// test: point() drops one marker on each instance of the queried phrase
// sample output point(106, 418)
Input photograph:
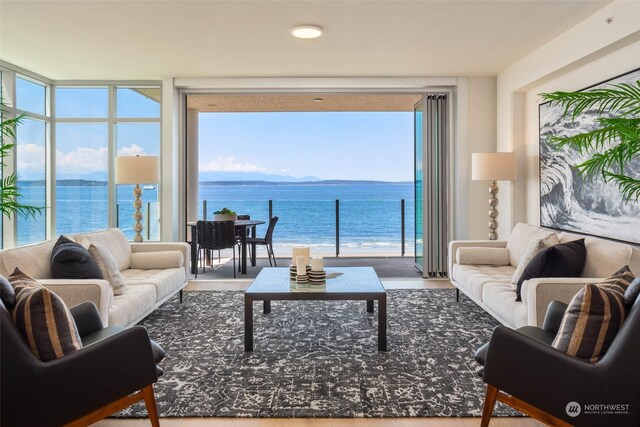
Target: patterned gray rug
point(319, 358)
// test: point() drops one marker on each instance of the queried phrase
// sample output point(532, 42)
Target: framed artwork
point(568, 201)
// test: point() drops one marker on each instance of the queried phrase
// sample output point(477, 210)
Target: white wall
point(171, 192)
point(192, 162)
point(619, 62)
point(481, 128)
point(589, 53)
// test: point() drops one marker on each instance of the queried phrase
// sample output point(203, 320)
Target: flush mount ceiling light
point(306, 31)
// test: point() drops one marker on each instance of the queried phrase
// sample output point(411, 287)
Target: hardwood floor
point(323, 422)
point(242, 284)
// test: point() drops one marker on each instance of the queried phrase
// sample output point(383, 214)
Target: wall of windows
point(31, 147)
point(137, 132)
point(65, 151)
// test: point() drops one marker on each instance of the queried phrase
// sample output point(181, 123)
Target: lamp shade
point(137, 169)
point(493, 166)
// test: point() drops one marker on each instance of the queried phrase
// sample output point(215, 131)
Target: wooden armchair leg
point(489, 403)
point(150, 403)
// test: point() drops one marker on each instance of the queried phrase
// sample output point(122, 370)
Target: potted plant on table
point(225, 214)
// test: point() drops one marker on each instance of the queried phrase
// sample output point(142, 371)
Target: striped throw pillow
point(43, 319)
point(593, 317)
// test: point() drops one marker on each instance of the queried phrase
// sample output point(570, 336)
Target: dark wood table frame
point(242, 225)
point(267, 297)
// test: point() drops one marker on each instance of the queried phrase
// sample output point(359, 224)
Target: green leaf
point(629, 187)
point(621, 99)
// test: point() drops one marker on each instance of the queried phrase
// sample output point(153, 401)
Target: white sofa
point(491, 288)
point(149, 283)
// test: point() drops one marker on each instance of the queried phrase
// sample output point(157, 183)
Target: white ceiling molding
point(303, 84)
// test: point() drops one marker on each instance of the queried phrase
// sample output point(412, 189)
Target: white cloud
point(229, 164)
point(83, 159)
point(31, 157)
point(133, 150)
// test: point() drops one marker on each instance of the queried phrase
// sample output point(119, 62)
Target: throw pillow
point(534, 246)
point(108, 268)
point(482, 256)
point(593, 318)
point(563, 260)
point(70, 260)
point(632, 292)
point(43, 319)
point(7, 293)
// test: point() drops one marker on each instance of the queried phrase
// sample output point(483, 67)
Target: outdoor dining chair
point(216, 235)
point(267, 240)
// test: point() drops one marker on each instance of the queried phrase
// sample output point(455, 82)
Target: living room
point(492, 60)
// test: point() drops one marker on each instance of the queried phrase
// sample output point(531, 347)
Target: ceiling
point(86, 39)
point(303, 102)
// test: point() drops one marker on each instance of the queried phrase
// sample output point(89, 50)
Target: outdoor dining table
point(241, 225)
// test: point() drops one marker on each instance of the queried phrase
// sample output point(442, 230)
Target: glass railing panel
point(367, 227)
point(374, 227)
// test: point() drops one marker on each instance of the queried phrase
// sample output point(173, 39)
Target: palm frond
point(10, 196)
point(8, 127)
point(614, 129)
point(629, 187)
point(615, 158)
point(623, 99)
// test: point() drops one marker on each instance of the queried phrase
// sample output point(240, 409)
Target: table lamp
point(493, 167)
point(137, 170)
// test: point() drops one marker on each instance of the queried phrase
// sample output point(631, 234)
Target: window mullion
point(111, 150)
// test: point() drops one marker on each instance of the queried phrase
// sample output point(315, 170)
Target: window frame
point(9, 73)
point(9, 92)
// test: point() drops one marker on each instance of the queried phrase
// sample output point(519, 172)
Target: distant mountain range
point(92, 183)
point(321, 182)
point(251, 176)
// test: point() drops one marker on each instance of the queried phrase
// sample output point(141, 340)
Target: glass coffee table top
point(275, 280)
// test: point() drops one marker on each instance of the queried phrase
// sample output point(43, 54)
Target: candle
point(301, 265)
point(301, 251)
point(317, 263)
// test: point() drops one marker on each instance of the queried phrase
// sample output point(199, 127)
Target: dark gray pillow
point(70, 260)
point(563, 260)
point(7, 294)
point(632, 292)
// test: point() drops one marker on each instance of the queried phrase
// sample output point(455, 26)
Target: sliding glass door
point(418, 183)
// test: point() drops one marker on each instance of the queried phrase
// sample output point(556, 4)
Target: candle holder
point(317, 277)
point(293, 272)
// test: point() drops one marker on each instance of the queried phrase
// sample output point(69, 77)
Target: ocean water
point(370, 214)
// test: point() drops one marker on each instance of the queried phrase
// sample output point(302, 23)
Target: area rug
point(320, 358)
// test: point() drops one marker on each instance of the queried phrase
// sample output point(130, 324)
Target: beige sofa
point(150, 279)
point(490, 285)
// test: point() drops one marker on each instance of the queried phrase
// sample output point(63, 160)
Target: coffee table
point(351, 283)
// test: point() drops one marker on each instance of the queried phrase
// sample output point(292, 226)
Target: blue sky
point(326, 145)
point(81, 147)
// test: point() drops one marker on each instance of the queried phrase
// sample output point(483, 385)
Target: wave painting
point(570, 202)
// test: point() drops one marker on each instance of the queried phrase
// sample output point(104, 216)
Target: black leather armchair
point(522, 370)
point(116, 368)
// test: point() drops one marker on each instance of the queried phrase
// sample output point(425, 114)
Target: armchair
point(522, 370)
point(115, 368)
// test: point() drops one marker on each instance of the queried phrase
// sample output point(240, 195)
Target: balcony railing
point(343, 227)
